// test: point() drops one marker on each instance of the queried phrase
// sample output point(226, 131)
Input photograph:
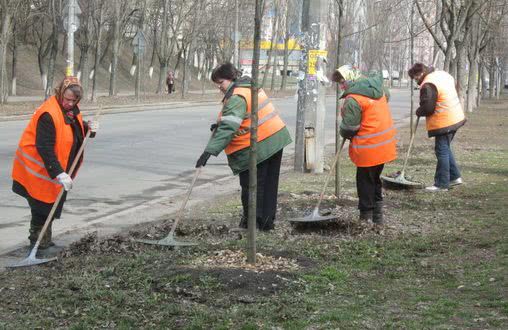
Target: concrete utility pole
point(236, 60)
point(71, 24)
point(310, 135)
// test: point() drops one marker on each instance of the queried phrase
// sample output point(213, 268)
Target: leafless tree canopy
point(464, 37)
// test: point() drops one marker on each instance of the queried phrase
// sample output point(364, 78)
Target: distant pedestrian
point(170, 82)
point(232, 134)
point(47, 148)
point(367, 122)
point(440, 104)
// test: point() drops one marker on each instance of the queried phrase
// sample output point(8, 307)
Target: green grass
point(443, 263)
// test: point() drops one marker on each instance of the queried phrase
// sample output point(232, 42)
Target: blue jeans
point(446, 169)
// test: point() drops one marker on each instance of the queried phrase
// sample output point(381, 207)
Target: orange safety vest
point(269, 121)
point(375, 142)
point(448, 108)
point(28, 168)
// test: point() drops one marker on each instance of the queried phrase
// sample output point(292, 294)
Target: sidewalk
point(40, 97)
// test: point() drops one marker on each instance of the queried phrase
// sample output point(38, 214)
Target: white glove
point(93, 126)
point(65, 180)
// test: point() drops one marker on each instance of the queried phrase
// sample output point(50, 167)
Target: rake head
point(314, 217)
point(31, 260)
point(166, 241)
point(398, 181)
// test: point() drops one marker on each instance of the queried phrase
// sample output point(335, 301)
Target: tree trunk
point(4, 41)
point(51, 63)
point(14, 61)
point(97, 52)
point(485, 84)
point(163, 68)
point(472, 85)
point(498, 82)
point(461, 71)
point(163, 57)
point(270, 52)
point(85, 72)
point(286, 51)
point(116, 48)
point(478, 84)
point(251, 235)
point(274, 70)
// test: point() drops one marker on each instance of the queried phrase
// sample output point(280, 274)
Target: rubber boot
point(365, 215)
point(243, 223)
point(34, 232)
point(377, 215)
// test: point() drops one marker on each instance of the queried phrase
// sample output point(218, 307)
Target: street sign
point(77, 10)
point(74, 26)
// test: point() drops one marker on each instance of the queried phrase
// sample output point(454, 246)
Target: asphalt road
point(137, 157)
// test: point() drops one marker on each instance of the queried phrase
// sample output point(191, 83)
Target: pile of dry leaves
point(238, 259)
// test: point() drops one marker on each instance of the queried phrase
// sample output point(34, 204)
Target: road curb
point(126, 108)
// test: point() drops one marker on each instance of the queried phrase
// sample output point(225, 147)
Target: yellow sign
point(266, 45)
point(312, 59)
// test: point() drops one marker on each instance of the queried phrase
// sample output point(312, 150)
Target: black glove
point(213, 127)
point(419, 113)
point(203, 159)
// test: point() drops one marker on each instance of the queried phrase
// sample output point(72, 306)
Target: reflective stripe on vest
point(269, 121)
point(448, 110)
point(28, 166)
point(375, 142)
point(37, 174)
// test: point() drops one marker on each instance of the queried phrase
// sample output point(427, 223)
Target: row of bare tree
point(178, 32)
point(464, 37)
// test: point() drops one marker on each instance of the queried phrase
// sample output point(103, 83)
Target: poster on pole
point(312, 58)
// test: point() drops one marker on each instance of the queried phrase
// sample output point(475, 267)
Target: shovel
point(32, 260)
point(315, 216)
point(170, 239)
point(399, 181)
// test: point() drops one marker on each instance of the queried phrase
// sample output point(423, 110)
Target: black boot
point(243, 223)
point(365, 215)
point(265, 224)
point(377, 215)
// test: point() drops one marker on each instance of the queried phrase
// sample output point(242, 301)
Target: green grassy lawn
point(440, 262)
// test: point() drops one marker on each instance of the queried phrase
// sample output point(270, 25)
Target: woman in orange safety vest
point(232, 134)
point(46, 150)
point(440, 104)
point(367, 122)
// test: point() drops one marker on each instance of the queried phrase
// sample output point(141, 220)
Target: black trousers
point(268, 186)
point(369, 186)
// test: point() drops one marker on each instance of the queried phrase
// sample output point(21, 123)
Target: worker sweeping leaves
point(440, 104)
point(46, 150)
point(367, 122)
point(232, 135)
